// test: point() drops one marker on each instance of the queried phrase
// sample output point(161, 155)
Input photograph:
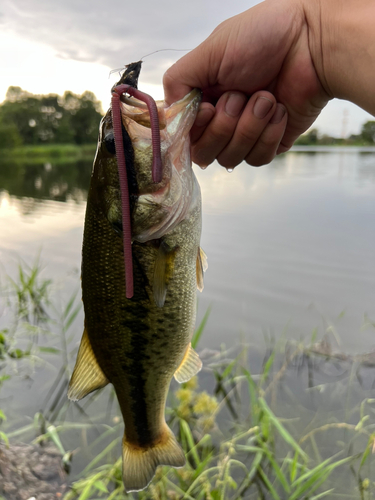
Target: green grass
point(55, 152)
point(253, 457)
point(246, 436)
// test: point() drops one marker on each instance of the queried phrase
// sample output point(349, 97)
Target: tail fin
point(139, 464)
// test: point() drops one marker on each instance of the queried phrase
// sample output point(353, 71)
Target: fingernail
point(279, 114)
point(234, 104)
point(262, 106)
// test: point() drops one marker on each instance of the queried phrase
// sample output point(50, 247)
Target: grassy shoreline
point(40, 152)
point(69, 153)
point(250, 436)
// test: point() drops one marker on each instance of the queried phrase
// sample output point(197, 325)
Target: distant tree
point(85, 111)
point(41, 119)
point(368, 132)
point(327, 140)
point(16, 94)
point(9, 136)
point(309, 139)
point(22, 110)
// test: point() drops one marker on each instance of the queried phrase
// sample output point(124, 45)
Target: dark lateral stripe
point(138, 381)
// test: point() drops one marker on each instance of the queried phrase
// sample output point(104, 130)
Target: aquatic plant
point(247, 453)
point(244, 434)
point(26, 297)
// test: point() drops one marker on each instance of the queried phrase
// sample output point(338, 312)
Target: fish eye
point(109, 141)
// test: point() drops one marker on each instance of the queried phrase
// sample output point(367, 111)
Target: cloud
point(50, 38)
point(117, 32)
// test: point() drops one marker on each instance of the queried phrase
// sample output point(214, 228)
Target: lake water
point(290, 249)
point(290, 246)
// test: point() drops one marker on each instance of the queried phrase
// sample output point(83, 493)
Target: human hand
point(238, 129)
point(266, 47)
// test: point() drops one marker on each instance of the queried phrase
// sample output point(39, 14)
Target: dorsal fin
point(87, 375)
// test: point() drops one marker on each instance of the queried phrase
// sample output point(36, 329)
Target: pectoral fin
point(87, 374)
point(201, 267)
point(190, 366)
point(164, 266)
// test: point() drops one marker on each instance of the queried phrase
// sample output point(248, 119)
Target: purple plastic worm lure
point(157, 169)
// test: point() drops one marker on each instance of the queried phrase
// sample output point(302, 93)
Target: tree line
point(29, 119)
point(365, 138)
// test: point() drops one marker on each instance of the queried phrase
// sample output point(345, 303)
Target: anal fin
point(201, 267)
point(190, 366)
point(87, 375)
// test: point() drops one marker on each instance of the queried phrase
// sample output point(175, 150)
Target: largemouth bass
point(138, 344)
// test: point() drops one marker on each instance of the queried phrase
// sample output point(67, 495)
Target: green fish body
point(138, 344)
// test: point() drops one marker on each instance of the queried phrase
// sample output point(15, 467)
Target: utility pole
point(345, 120)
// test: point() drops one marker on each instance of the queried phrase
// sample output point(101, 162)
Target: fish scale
point(138, 344)
point(118, 331)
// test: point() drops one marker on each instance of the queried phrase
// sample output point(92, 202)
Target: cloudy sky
point(49, 46)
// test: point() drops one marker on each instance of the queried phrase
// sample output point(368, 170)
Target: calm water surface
point(290, 245)
point(290, 248)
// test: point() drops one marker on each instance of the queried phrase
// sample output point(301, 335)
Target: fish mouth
point(137, 110)
point(170, 125)
point(160, 207)
point(175, 122)
point(165, 127)
point(130, 75)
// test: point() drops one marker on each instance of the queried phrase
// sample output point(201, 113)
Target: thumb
point(175, 85)
point(197, 69)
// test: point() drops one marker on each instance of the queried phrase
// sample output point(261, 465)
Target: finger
point(266, 147)
point(193, 70)
point(299, 120)
point(174, 90)
point(205, 114)
point(219, 131)
point(292, 132)
point(282, 148)
point(253, 121)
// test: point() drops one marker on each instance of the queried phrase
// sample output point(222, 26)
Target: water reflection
point(279, 238)
point(224, 193)
point(290, 249)
point(52, 181)
point(292, 234)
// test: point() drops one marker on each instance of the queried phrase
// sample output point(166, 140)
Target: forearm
point(342, 43)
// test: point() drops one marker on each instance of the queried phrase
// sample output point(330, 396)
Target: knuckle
point(259, 160)
point(283, 148)
point(202, 157)
point(228, 161)
point(219, 133)
point(220, 27)
point(266, 94)
point(168, 79)
point(269, 140)
point(246, 136)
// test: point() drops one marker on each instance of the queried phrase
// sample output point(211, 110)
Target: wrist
point(342, 44)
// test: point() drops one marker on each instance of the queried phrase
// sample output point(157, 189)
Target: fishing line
point(114, 71)
point(150, 54)
point(162, 50)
